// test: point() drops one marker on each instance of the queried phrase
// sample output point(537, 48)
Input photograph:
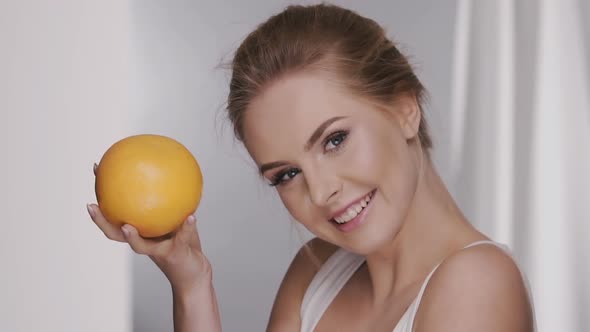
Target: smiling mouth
point(354, 210)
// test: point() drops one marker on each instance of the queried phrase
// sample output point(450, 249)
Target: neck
point(434, 228)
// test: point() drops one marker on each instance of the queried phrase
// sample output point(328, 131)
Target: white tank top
point(334, 274)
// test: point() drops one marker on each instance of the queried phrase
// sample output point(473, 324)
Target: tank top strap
point(326, 284)
point(337, 270)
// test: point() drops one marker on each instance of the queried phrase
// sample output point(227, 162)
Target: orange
point(151, 182)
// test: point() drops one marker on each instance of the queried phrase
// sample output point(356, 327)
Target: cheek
point(400, 189)
point(375, 155)
point(387, 163)
point(295, 205)
point(297, 202)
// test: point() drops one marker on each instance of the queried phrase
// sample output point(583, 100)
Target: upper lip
point(341, 211)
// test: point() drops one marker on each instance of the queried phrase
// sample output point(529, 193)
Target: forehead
point(284, 115)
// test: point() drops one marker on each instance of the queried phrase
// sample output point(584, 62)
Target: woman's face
point(343, 167)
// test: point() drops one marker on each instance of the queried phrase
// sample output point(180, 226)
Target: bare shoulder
point(476, 289)
point(303, 267)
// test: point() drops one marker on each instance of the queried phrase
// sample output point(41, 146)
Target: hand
point(178, 254)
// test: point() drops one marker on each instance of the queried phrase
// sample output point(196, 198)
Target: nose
point(323, 187)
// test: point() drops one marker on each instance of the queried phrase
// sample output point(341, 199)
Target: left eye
point(335, 140)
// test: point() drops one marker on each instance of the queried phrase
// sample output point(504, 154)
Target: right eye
point(283, 177)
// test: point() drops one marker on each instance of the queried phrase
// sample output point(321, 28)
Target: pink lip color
point(341, 211)
point(356, 221)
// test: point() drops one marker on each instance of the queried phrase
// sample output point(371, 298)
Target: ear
point(408, 114)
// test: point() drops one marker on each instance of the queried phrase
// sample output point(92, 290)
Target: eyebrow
point(310, 142)
point(320, 131)
point(272, 165)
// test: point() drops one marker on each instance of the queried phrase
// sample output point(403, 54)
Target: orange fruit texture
point(151, 182)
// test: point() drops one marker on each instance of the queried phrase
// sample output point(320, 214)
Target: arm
point(180, 258)
point(196, 310)
point(477, 289)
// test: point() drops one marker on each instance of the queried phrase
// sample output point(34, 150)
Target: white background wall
point(75, 76)
point(65, 96)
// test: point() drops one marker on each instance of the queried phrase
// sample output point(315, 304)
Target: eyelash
point(341, 134)
point(277, 179)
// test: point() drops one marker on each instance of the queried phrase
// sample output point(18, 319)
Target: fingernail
point(90, 210)
point(125, 230)
point(191, 220)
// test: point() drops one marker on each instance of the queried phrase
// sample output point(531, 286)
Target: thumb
point(188, 233)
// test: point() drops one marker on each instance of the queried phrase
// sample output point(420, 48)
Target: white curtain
point(520, 142)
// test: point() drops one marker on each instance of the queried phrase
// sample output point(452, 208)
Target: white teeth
point(353, 211)
point(347, 217)
point(350, 214)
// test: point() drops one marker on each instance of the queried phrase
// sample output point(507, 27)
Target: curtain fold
point(520, 142)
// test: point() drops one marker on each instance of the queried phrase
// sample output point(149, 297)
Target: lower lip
point(356, 221)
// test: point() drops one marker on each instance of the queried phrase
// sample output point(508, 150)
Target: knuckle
point(108, 235)
point(137, 249)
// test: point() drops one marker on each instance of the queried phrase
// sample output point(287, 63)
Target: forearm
point(196, 311)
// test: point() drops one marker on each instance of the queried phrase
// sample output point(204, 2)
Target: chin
point(371, 241)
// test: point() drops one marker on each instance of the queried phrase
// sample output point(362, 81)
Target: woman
point(331, 113)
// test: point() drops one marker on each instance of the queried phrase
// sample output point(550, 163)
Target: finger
point(139, 244)
point(195, 240)
point(94, 168)
point(186, 230)
point(111, 231)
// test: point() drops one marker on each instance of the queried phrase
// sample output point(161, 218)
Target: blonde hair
point(328, 38)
